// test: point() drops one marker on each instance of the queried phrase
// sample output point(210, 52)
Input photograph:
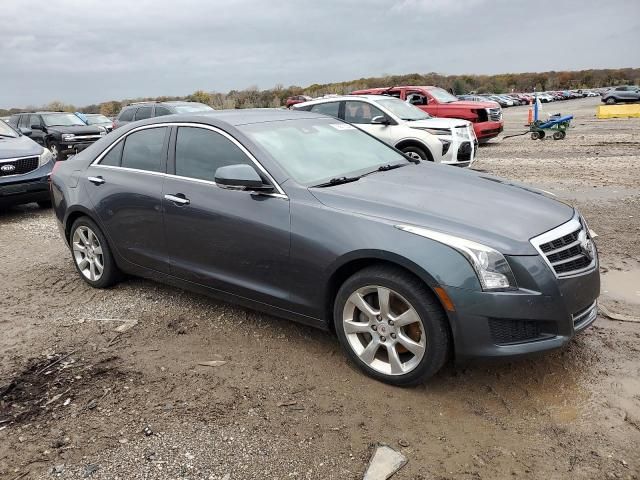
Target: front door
point(362, 113)
point(229, 240)
point(126, 191)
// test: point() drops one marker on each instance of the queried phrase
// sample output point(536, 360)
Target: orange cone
point(530, 115)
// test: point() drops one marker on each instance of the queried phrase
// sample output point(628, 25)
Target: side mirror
point(380, 120)
point(26, 131)
point(240, 177)
point(36, 127)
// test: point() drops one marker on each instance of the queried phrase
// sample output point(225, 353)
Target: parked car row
point(515, 99)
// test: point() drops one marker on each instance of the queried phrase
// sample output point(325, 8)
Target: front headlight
point(435, 131)
point(492, 269)
point(45, 157)
point(67, 136)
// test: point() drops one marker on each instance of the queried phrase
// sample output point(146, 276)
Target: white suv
point(403, 126)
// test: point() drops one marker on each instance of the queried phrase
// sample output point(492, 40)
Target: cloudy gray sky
point(88, 51)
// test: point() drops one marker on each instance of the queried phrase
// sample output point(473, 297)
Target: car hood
point(76, 129)
point(21, 146)
point(438, 123)
point(464, 203)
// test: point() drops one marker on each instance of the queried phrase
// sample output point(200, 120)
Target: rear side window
point(143, 149)
point(126, 115)
point(143, 112)
point(113, 157)
point(200, 152)
point(330, 109)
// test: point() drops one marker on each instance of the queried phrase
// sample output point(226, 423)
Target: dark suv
point(142, 110)
point(61, 132)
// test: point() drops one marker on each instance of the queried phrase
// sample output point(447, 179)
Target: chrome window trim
point(96, 163)
point(565, 229)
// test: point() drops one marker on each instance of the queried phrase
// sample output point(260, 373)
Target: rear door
point(126, 190)
point(229, 240)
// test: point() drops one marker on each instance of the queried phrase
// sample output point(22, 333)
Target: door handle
point(178, 199)
point(96, 180)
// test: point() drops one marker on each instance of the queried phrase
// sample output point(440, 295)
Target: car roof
point(236, 117)
point(340, 98)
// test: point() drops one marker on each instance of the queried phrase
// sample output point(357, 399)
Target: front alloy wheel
point(384, 330)
point(55, 151)
point(391, 325)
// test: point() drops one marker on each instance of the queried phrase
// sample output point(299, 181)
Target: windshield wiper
point(6, 135)
point(337, 181)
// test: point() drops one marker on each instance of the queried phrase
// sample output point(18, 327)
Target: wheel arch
point(72, 215)
point(356, 261)
point(416, 143)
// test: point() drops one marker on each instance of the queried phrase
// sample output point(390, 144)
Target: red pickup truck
point(485, 116)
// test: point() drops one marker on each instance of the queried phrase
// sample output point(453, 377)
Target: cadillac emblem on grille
point(8, 168)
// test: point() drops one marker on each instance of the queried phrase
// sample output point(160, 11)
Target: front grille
point(567, 249)
point(21, 166)
point(464, 152)
point(505, 331)
point(495, 114)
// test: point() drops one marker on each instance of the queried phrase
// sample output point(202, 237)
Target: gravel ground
point(84, 401)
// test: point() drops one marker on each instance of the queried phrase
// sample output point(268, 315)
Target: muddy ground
point(79, 400)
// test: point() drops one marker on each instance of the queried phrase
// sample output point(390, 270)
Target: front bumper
point(543, 314)
point(487, 130)
point(27, 188)
point(74, 147)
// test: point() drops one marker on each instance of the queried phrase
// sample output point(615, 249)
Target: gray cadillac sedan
point(309, 218)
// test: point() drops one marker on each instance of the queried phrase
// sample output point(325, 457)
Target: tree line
point(253, 97)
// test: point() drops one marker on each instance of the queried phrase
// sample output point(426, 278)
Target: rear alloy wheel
point(611, 101)
point(391, 326)
point(416, 153)
point(91, 254)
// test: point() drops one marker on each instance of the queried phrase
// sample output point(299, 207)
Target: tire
point(417, 153)
point(610, 101)
point(93, 237)
point(535, 135)
point(362, 335)
point(558, 136)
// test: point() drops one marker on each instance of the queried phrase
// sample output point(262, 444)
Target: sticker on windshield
point(342, 126)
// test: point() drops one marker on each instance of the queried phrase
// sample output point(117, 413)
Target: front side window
point(313, 151)
point(97, 120)
point(200, 152)
point(330, 109)
point(127, 115)
point(143, 112)
point(161, 111)
point(143, 149)
point(360, 112)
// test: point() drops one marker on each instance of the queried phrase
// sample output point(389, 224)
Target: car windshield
point(442, 95)
point(61, 119)
point(6, 130)
point(314, 151)
point(192, 107)
point(402, 109)
point(96, 119)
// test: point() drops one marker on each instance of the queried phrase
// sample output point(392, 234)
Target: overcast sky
point(88, 51)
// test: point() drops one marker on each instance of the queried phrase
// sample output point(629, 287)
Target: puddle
point(622, 285)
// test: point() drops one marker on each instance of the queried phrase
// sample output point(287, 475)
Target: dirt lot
point(79, 400)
